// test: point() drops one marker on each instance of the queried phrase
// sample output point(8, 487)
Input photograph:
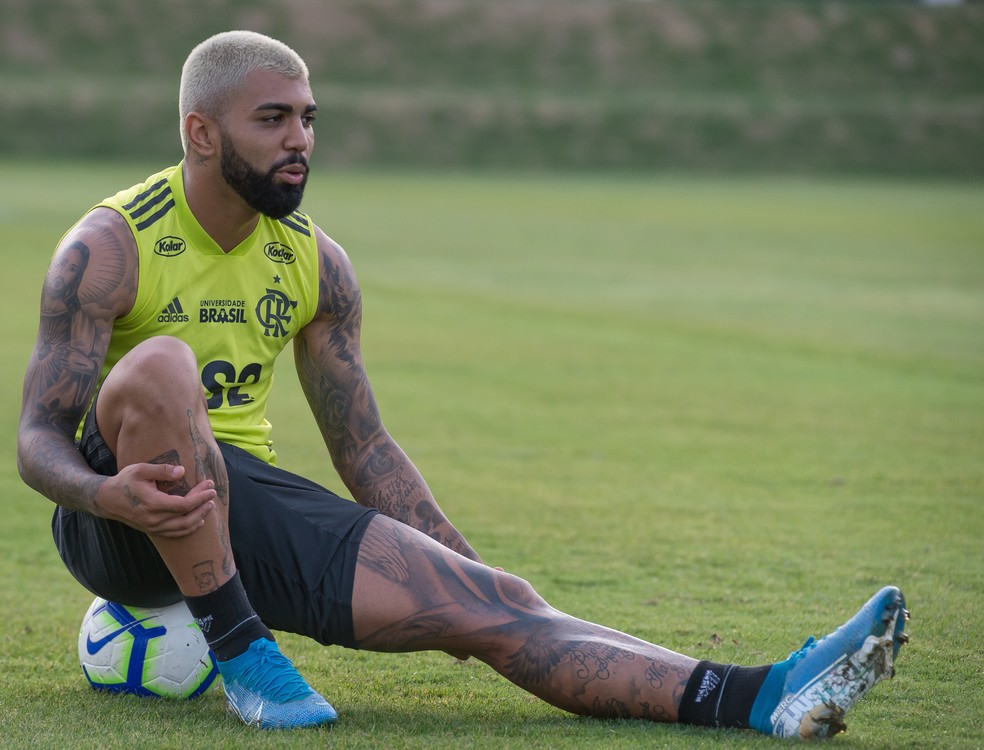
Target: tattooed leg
point(210, 465)
point(151, 409)
point(413, 594)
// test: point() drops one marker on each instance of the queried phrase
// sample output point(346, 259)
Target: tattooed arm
point(91, 281)
point(329, 365)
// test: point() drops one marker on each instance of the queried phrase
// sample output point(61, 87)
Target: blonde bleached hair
point(220, 64)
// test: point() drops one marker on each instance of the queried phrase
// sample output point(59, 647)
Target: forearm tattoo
point(373, 467)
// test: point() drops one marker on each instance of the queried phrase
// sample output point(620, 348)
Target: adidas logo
point(707, 685)
point(173, 313)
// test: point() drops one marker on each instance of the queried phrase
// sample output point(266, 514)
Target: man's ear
point(202, 133)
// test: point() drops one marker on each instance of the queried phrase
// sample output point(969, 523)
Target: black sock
point(721, 695)
point(227, 619)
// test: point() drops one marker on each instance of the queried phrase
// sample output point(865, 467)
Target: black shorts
point(295, 544)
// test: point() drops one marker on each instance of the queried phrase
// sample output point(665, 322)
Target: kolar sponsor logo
point(279, 253)
point(168, 247)
point(222, 311)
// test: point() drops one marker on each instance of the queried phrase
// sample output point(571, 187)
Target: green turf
point(718, 414)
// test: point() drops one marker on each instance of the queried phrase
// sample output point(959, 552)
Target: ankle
point(721, 695)
point(227, 619)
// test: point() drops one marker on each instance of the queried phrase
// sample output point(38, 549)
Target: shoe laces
point(273, 676)
point(811, 643)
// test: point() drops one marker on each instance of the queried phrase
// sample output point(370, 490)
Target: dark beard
point(258, 189)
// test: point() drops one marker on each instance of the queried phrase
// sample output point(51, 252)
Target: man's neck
point(220, 211)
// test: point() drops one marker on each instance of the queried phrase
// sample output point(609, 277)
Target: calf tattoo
point(464, 607)
point(205, 576)
point(209, 465)
point(207, 462)
point(206, 466)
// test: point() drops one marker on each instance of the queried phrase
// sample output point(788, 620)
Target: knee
point(161, 356)
point(519, 592)
point(161, 370)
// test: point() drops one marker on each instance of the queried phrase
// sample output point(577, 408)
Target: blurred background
point(811, 87)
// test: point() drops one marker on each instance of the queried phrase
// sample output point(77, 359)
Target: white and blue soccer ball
point(150, 652)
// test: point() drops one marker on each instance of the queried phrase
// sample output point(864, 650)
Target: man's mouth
point(293, 174)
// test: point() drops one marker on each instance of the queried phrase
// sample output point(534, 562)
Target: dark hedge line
point(811, 86)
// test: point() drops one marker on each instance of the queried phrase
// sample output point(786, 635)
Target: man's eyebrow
point(286, 108)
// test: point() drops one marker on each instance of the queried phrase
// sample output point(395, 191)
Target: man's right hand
point(134, 497)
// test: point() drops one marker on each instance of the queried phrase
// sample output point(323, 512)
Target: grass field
point(718, 414)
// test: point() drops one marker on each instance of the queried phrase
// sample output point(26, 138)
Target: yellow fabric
point(236, 310)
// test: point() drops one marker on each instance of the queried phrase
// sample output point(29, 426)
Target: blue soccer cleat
point(807, 695)
point(264, 689)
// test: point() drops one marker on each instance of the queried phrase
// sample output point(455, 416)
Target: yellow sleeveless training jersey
point(236, 310)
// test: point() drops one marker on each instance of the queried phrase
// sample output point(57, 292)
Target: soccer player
point(143, 420)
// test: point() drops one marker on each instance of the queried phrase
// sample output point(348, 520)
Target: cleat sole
point(822, 721)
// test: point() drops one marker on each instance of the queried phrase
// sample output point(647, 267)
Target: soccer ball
point(151, 652)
